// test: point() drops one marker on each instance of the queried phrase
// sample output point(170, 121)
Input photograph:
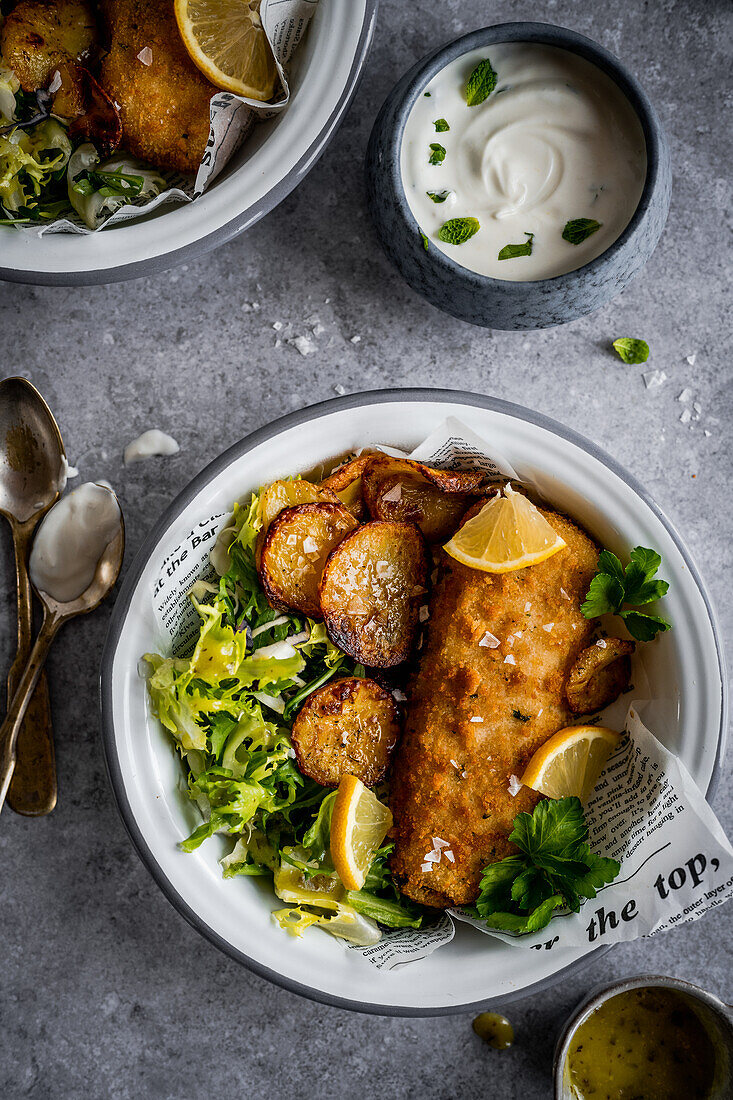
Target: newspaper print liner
point(232, 117)
point(647, 811)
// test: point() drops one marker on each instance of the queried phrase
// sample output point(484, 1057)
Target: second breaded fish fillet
point(489, 690)
point(163, 98)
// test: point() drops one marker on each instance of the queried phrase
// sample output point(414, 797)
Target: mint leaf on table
point(614, 586)
point(441, 126)
point(481, 83)
point(438, 196)
point(554, 869)
point(580, 229)
point(511, 251)
point(437, 155)
point(632, 351)
point(458, 230)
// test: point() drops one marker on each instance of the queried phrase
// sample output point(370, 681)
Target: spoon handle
point(19, 703)
point(33, 788)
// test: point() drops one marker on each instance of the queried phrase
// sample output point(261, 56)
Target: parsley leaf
point(632, 351)
point(555, 868)
point(437, 155)
point(481, 83)
point(438, 196)
point(441, 126)
point(613, 586)
point(424, 240)
point(511, 251)
point(458, 230)
point(580, 229)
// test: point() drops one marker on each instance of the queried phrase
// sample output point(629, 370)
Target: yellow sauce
point(647, 1044)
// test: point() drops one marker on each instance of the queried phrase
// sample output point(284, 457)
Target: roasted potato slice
point(371, 589)
point(295, 549)
point(410, 500)
point(40, 35)
point(287, 494)
point(600, 674)
point(349, 727)
point(345, 481)
point(381, 467)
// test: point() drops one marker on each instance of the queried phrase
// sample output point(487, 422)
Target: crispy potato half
point(600, 674)
point(409, 500)
point(39, 35)
point(371, 589)
point(346, 727)
point(294, 552)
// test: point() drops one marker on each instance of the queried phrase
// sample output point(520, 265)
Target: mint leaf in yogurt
point(580, 229)
point(511, 251)
point(481, 83)
point(458, 230)
point(632, 351)
point(438, 196)
point(441, 126)
point(437, 155)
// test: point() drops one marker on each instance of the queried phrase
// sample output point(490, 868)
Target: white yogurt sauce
point(71, 540)
point(149, 445)
point(555, 141)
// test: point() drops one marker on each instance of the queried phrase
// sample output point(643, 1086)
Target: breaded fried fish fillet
point(164, 104)
point(489, 690)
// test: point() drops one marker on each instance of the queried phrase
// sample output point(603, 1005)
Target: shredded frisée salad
point(229, 707)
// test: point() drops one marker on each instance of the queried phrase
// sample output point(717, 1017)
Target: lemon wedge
point(359, 824)
point(508, 533)
point(227, 42)
point(571, 762)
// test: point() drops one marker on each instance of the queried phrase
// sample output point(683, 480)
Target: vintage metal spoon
point(55, 614)
point(32, 474)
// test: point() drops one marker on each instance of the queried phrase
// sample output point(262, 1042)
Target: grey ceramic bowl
point(495, 303)
point(716, 1017)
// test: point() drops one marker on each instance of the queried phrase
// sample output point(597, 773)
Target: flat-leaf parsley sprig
point(554, 869)
point(613, 586)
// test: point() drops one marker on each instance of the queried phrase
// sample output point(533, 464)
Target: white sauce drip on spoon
point(71, 539)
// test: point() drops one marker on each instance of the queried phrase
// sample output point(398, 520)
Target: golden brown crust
point(294, 552)
point(347, 727)
point(451, 776)
point(601, 673)
point(164, 105)
point(371, 591)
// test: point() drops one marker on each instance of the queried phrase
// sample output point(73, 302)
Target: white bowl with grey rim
point(480, 299)
point(275, 159)
point(685, 669)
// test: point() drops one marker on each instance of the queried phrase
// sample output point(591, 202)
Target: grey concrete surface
point(104, 990)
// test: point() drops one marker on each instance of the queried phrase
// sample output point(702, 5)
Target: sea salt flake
point(548, 627)
point(510, 660)
point(517, 633)
point(277, 325)
point(476, 718)
point(707, 433)
point(432, 857)
point(355, 340)
point(318, 329)
point(423, 613)
point(685, 396)
point(393, 494)
point(339, 389)
point(310, 546)
point(653, 379)
point(527, 607)
point(686, 416)
point(145, 55)
point(691, 358)
point(564, 594)
point(303, 345)
point(510, 640)
point(449, 855)
point(438, 842)
point(55, 83)
point(514, 786)
point(399, 696)
point(489, 641)
point(601, 643)
point(426, 867)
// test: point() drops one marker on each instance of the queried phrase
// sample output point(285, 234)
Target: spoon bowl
point(32, 456)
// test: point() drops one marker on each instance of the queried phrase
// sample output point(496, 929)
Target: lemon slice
point(227, 42)
point(359, 824)
point(571, 761)
point(508, 533)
